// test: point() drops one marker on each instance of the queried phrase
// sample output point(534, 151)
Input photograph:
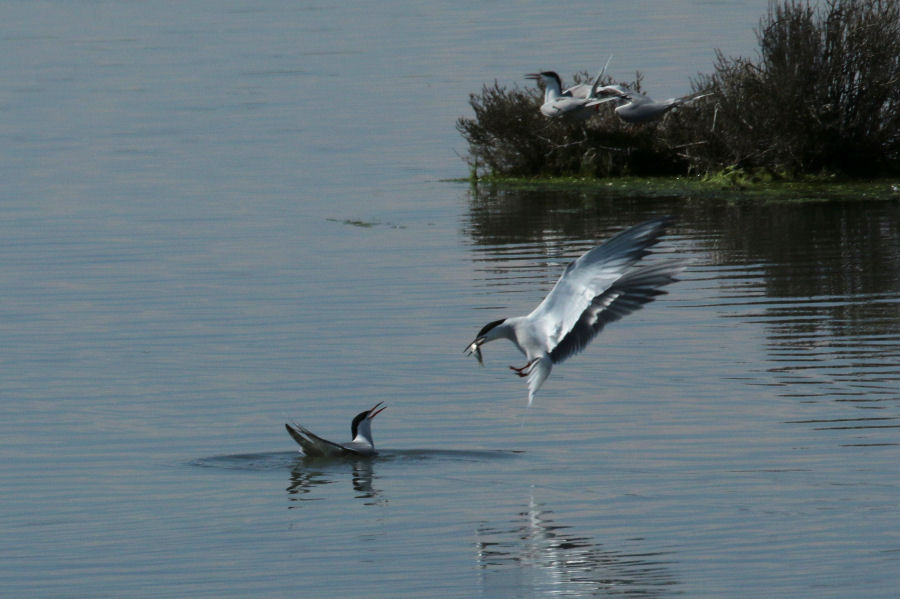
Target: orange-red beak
point(375, 412)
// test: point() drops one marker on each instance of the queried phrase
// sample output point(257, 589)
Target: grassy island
point(819, 106)
point(731, 187)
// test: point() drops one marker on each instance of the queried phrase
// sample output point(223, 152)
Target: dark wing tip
point(295, 434)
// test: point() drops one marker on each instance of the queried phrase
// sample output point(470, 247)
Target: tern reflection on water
point(600, 287)
point(310, 475)
point(306, 477)
point(534, 556)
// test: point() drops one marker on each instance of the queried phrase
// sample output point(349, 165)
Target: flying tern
point(600, 287)
point(360, 430)
point(636, 107)
point(575, 101)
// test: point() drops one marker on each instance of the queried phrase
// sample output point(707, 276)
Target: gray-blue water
point(216, 217)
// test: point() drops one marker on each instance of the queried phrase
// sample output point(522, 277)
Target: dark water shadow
point(261, 462)
point(279, 460)
point(308, 474)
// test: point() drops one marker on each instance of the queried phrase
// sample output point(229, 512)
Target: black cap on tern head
point(548, 74)
point(552, 75)
point(488, 327)
point(354, 426)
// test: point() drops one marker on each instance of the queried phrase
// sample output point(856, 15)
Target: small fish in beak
point(475, 348)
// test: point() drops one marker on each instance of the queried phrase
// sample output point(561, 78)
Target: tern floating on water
point(360, 430)
point(576, 101)
point(636, 107)
point(600, 287)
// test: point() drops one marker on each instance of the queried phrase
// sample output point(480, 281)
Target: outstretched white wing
point(588, 277)
point(627, 294)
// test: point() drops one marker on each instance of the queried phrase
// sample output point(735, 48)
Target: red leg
point(524, 370)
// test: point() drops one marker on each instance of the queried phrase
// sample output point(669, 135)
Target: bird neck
point(504, 330)
point(515, 329)
point(364, 433)
point(552, 90)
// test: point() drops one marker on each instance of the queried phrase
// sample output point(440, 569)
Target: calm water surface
point(219, 217)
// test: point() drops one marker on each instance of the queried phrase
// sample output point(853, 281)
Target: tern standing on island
point(577, 101)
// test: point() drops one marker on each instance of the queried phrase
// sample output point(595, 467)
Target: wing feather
point(592, 274)
point(538, 373)
point(314, 445)
point(629, 293)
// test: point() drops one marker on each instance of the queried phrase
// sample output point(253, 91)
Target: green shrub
point(509, 136)
point(822, 96)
